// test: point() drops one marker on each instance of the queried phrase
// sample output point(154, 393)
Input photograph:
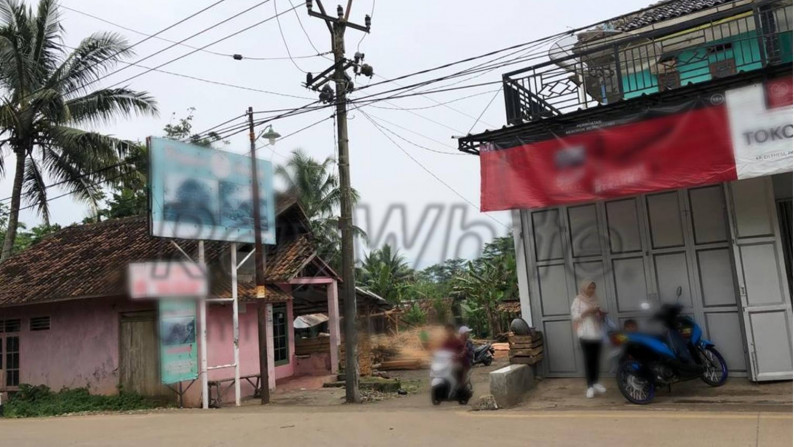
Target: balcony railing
point(617, 66)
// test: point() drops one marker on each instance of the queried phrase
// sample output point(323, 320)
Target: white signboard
point(761, 128)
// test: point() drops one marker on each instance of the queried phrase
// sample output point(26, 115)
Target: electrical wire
point(412, 142)
point(426, 169)
point(211, 81)
point(216, 53)
point(229, 36)
point(284, 39)
point(178, 43)
point(371, 14)
point(487, 106)
point(435, 105)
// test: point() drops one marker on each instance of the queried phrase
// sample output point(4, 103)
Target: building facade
point(652, 154)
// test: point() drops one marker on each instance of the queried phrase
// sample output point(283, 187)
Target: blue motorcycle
point(681, 353)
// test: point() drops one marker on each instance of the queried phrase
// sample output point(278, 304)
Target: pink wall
point(80, 349)
point(82, 346)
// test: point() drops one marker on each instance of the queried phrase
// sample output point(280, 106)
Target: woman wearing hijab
point(587, 317)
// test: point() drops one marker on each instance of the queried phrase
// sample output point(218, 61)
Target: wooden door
point(139, 369)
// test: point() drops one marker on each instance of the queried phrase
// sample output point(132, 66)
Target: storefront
point(687, 187)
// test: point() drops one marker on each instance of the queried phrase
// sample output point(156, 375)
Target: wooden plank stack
point(526, 349)
point(306, 346)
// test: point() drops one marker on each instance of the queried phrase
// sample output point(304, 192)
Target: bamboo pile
point(526, 349)
point(364, 355)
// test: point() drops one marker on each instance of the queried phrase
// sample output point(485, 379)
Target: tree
point(46, 94)
point(24, 238)
point(317, 189)
point(386, 273)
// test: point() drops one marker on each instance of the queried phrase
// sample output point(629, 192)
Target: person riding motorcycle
point(457, 346)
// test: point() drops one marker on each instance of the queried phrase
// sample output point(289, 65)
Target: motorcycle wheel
point(635, 386)
point(716, 372)
point(487, 362)
point(437, 394)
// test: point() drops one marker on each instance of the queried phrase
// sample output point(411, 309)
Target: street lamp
point(270, 134)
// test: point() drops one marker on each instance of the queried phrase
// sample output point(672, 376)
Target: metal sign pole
point(235, 326)
point(205, 388)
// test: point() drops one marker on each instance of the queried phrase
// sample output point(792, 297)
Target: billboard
point(178, 358)
point(198, 192)
point(720, 137)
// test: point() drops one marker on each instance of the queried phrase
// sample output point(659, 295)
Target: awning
point(311, 320)
point(706, 138)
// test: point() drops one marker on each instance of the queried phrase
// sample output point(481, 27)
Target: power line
point(371, 14)
point(284, 39)
point(405, 109)
point(172, 46)
point(487, 106)
point(414, 143)
point(426, 169)
point(216, 53)
point(210, 81)
point(229, 36)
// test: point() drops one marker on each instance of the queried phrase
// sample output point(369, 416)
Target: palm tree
point(386, 273)
point(317, 189)
point(46, 94)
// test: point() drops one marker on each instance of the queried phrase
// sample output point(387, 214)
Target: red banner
point(634, 155)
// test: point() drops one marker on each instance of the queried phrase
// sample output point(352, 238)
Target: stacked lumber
point(526, 349)
point(306, 346)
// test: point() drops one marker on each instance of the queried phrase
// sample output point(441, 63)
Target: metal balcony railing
point(606, 66)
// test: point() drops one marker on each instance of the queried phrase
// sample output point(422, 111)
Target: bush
point(415, 316)
point(39, 400)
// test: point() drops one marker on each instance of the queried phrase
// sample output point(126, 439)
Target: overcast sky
point(407, 35)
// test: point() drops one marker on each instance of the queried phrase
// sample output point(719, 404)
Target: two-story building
point(652, 153)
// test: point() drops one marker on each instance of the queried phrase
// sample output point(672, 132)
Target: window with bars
point(9, 350)
point(280, 335)
point(12, 360)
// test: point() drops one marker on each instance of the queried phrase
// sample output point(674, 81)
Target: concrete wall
point(81, 348)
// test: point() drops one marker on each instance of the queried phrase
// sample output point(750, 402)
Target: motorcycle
point(483, 354)
point(444, 383)
point(649, 361)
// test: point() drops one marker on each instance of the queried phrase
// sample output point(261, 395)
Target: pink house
point(66, 319)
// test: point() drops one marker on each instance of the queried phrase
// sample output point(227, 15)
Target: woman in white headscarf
point(587, 318)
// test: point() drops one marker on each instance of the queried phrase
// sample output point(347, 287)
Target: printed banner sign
point(197, 192)
point(164, 279)
point(743, 133)
point(178, 358)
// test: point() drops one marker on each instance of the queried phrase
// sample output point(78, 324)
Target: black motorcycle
point(483, 354)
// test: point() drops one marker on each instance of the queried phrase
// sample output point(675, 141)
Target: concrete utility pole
point(337, 26)
point(259, 259)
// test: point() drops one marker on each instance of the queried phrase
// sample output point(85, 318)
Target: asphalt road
point(369, 425)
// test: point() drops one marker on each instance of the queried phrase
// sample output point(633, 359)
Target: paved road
point(369, 425)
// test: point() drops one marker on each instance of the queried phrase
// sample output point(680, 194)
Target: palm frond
point(34, 189)
point(95, 56)
point(48, 42)
point(103, 106)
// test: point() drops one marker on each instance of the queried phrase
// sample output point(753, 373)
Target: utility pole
point(343, 82)
point(259, 259)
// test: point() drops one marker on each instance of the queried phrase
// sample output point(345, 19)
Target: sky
point(424, 202)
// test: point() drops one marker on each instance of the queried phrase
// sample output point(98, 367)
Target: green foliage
point(24, 238)
point(317, 188)
point(415, 316)
point(48, 94)
point(183, 130)
point(33, 401)
point(386, 273)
